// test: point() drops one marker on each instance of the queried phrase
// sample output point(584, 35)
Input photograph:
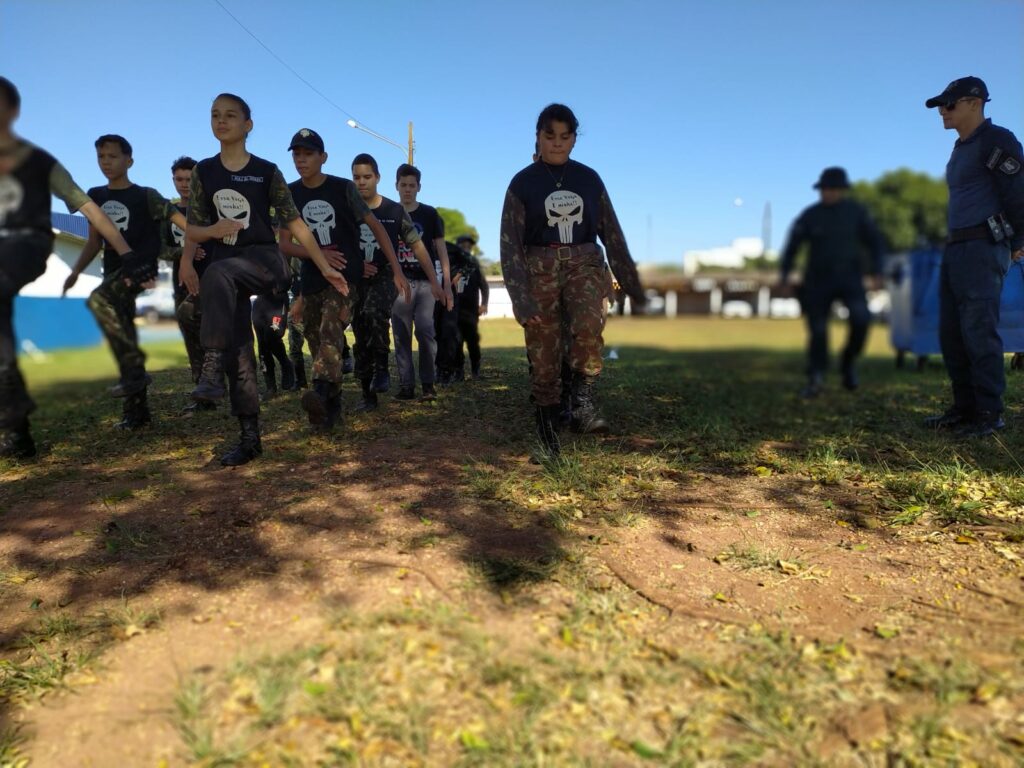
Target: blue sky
point(685, 106)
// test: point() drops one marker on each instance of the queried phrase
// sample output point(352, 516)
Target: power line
point(284, 63)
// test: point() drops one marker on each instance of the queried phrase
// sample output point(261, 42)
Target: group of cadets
point(320, 255)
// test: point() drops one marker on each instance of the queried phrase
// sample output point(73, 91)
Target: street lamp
point(364, 129)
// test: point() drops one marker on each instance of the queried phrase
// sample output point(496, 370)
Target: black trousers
point(224, 292)
point(970, 291)
point(22, 260)
point(816, 298)
point(268, 312)
point(469, 329)
point(449, 340)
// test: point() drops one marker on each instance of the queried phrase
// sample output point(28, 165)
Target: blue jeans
point(418, 311)
point(970, 289)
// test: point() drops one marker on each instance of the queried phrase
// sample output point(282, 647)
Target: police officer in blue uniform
point(837, 231)
point(986, 231)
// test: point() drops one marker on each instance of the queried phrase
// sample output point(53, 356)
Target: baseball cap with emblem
point(833, 178)
point(307, 138)
point(969, 87)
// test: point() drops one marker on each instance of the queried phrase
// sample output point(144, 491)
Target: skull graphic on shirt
point(118, 213)
point(178, 234)
point(320, 217)
point(11, 196)
point(234, 206)
point(564, 210)
point(367, 241)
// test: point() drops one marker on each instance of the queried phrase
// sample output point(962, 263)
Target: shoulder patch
point(994, 158)
point(1010, 166)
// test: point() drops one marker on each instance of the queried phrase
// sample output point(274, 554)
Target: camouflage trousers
point(113, 306)
point(22, 260)
point(325, 316)
point(570, 284)
point(190, 320)
point(371, 323)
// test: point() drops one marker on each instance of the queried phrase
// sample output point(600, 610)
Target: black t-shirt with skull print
point(396, 222)
point(430, 225)
point(139, 213)
point(25, 191)
point(333, 212)
point(562, 203)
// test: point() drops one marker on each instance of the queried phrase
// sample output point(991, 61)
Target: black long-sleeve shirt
point(838, 235)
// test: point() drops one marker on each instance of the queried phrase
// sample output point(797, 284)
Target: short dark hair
point(557, 113)
point(408, 170)
point(183, 163)
point(10, 93)
point(366, 159)
point(113, 138)
point(242, 104)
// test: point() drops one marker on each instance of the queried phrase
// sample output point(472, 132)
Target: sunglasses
point(952, 105)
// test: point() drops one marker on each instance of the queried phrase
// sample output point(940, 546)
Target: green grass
point(588, 668)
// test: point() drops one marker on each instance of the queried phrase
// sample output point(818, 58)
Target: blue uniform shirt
point(984, 177)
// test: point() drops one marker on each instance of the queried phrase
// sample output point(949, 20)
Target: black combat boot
point(586, 419)
point(249, 446)
point(983, 424)
point(131, 383)
point(459, 374)
point(314, 403)
point(270, 380)
point(381, 377)
point(565, 405)
point(814, 386)
point(369, 402)
point(954, 417)
point(299, 365)
point(334, 417)
point(547, 428)
point(210, 388)
point(287, 376)
point(196, 406)
point(17, 443)
point(135, 412)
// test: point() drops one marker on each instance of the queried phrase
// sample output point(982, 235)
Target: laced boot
point(983, 424)
point(586, 420)
point(369, 402)
point(334, 417)
point(249, 446)
point(547, 429)
point(211, 388)
point(314, 403)
point(16, 442)
point(135, 414)
point(953, 417)
point(197, 407)
point(287, 376)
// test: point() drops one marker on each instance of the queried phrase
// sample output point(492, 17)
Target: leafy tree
point(455, 224)
point(909, 207)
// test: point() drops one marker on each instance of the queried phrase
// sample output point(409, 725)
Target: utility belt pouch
point(995, 228)
point(1007, 227)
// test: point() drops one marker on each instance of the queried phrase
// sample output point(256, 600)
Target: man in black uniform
point(986, 231)
point(836, 230)
point(28, 177)
point(140, 213)
point(474, 294)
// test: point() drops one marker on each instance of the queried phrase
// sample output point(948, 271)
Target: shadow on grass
point(108, 516)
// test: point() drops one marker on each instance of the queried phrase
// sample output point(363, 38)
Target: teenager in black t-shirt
point(372, 312)
point(28, 178)
point(554, 211)
point(333, 208)
point(418, 312)
point(140, 213)
point(230, 209)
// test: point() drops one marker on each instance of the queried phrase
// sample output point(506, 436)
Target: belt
point(562, 252)
point(980, 232)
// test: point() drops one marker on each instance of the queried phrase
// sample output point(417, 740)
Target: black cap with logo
point(307, 138)
point(969, 87)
